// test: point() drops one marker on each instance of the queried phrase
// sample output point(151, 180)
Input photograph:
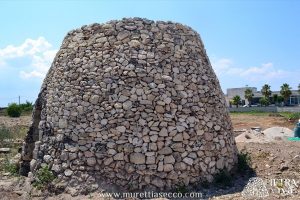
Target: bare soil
point(263, 120)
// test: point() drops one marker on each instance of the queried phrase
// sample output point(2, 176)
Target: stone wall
point(134, 103)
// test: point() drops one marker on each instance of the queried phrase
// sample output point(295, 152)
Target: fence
point(265, 109)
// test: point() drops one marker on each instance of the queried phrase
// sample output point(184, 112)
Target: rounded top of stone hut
point(135, 102)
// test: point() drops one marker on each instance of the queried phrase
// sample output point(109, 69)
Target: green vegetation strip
point(254, 112)
point(15, 110)
point(287, 115)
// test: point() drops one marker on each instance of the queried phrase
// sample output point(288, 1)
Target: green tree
point(286, 92)
point(264, 101)
point(275, 98)
point(26, 106)
point(236, 100)
point(13, 110)
point(299, 88)
point(249, 95)
point(231, 103)
point(280, 99)
point(266, 91)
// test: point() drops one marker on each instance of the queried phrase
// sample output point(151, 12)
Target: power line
point(9, 98)
point(16, 98)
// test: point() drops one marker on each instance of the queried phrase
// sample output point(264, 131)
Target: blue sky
point(248, 42)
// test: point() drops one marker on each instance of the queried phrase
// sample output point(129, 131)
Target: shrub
point(205, 184)
point(223, 178)
point(12, 168)
point(26, 106)
point(244, 160)
point(44, 176)
point(291, 116)
point(14, 110)
point(181, 189)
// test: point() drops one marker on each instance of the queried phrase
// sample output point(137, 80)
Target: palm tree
point(280, 99)
point(249, 95)
point(231, 103)
point(266, 91)
point(286, 92)
point(275, 99)
point(264, 101)
point(236, 100)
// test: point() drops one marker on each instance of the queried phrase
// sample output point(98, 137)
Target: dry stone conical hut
point(132, 102)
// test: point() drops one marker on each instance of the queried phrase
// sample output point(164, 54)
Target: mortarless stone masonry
point(134, 103)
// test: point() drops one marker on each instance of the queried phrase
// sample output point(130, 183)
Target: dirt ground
point(10, 122)
point(264, 120)
point(279, 160)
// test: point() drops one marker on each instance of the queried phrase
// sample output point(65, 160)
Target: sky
point(249, 42)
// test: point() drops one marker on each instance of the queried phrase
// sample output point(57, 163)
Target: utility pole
point(19, 100)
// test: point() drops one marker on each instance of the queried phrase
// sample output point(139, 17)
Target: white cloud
point(39, 51)
point(265, 71)
point(34, 73)
point(224, 66)
point(221, 64)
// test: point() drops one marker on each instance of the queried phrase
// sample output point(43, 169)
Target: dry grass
point(10, 138)
point(259, 119)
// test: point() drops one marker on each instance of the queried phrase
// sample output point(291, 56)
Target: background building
point(231, 92)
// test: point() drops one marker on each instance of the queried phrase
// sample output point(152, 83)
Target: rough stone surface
point(137, 158)
point(134, 102)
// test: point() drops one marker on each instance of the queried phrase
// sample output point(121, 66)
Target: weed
point(26, 107)
point(205, 184)
point(181, 189)
point(290, 116)
point(244, 160)
point(263, 154)
point(5, 135)
point(44, 177)
point(223, 178)
point(9, 167)
point(279, 184)
point(130, 186)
